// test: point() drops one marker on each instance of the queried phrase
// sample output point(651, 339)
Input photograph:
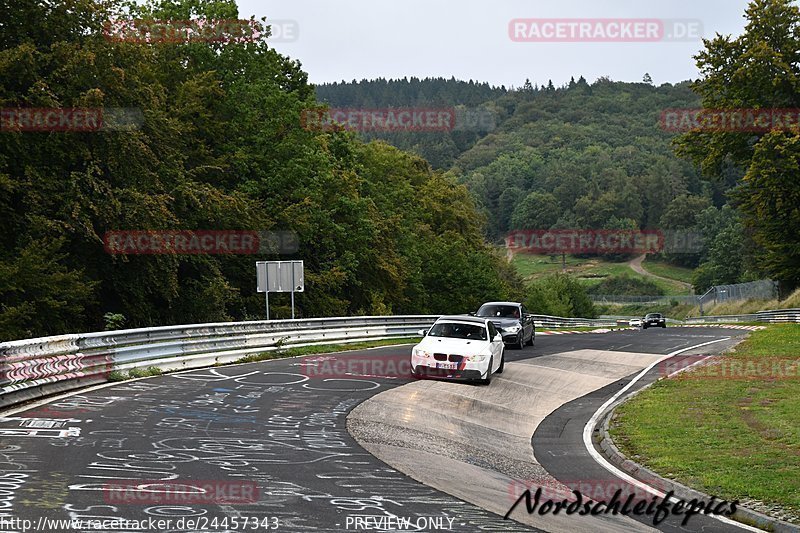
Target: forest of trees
point(594, 155)
point(221, 146)
point(381, 230)
point(580, 156)
point(440, 148)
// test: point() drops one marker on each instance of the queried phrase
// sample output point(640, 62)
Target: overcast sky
point(469, 39)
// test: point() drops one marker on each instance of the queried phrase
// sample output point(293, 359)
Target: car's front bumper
point(512, 338)
point(430, 367)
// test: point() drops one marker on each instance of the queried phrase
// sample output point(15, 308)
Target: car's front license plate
point(446, 366)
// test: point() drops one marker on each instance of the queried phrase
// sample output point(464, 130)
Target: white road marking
point(588, 430)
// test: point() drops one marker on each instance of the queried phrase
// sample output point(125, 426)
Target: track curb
point(610, 451)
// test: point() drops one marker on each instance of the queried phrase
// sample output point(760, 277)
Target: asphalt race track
point(269, 442)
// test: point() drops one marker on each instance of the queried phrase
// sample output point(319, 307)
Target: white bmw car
point(459, 347)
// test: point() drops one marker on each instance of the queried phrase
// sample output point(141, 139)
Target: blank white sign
point(280, 276)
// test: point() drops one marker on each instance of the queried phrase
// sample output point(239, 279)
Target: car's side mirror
point(422, 332)
point(472, 313)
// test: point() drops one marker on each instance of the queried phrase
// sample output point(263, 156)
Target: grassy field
point(665, 270)
point(733, 437)
point(590, 272)
point(533, 266)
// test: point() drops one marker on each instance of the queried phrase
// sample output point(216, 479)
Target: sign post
point(279, 276)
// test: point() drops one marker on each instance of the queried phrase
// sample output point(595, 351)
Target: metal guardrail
point(626, 319)
point(770, 317)
point(545, 321)
point(776, 317)
point(722, 319)
point(33, 368)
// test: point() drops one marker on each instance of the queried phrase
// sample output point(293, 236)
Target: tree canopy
point(758, 70)
point(220, 146)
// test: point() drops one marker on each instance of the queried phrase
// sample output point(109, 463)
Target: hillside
point(584, 155)
point(440, 149)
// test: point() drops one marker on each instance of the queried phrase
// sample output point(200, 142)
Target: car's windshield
point(501, 311)
point(456, 330)
point(653, 315)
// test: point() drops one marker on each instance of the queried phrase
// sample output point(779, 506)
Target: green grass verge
point(733, 438)
point(325, 348)
point(121, 375)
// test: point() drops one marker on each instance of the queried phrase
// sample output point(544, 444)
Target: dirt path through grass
point(636, 266)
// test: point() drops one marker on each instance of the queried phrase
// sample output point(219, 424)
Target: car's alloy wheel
point(521, 343)
point(533, 334)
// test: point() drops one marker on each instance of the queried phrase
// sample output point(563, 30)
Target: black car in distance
point(654, 320)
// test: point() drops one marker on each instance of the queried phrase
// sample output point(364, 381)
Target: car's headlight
point(421, 353)
point(513, 329)
point(477, 358)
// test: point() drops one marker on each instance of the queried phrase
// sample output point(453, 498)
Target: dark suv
point(654, 320)
point(512, 320)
